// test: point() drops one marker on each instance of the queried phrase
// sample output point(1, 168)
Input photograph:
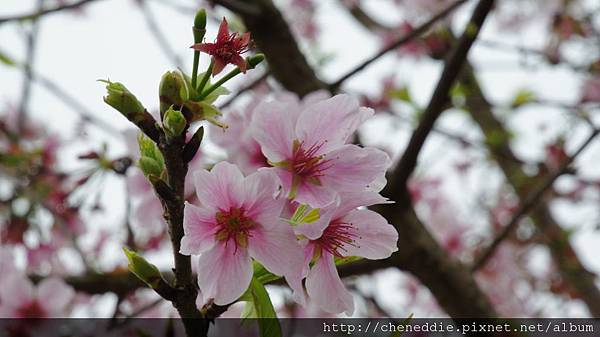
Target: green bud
point(143, 269)
point(173, 90)
point(150, 166)
point(149, 149)
point(255, 60)
point(174, 122)
point(122, 99)
point(200, 19)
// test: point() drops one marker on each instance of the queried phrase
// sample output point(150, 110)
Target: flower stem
point(205, 77)
point(220, 82)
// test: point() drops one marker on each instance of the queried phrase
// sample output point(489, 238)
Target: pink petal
point(221, 188)
point(376, 238)
point(204, 47)
point(16, 290)
point(148, 211)
point(315, 196)
point(137, 184)
point(273, 129)
point(199, 228)
point(259, 198)
point(326, 289)
point(354, 199)
point(54, 295)
point(328, 123)
point(354, 167)
point(224, 272)
point(278, 250)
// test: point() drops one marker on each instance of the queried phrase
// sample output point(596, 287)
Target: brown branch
point(418, 31)
point(528, 204)
point(568, 264)
point(248, 87)
point(158, 35)
point(39, 13)
point(440, 98)
point(274, 38)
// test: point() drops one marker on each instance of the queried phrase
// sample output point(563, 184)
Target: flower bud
point(122, 99)
point(143, 269)
point(200, 19)
point(173, 90)
point(151, 161)
point(174, 122)
point(255, 60)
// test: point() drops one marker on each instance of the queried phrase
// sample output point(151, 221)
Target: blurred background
point(526, 101)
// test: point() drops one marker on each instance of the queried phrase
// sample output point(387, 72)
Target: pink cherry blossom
point(308, 148)
point(343, 231)
point(20, 298)
point(239, 219)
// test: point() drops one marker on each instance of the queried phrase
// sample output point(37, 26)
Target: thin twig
point(158, 35)
point(27, 69)
point(39, 13)
point(420, 30)
point(528, 203)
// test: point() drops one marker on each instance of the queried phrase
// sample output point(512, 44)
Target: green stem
point(205, 77)
point(220, 82)
point(198, 36)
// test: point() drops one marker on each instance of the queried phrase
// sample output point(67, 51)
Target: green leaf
point(263, 310)
point(523, 97)
point(6, 59)
point(215, 94)
point(141, 268)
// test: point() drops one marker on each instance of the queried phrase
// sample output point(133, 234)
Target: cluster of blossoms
point(299, 211)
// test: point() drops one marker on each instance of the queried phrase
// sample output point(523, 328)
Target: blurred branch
point(27, 69)
point(453, 64)
point(39, 13)
point(527, 204)
point(418, 31)
point(248, 87)
point(564, 256)
point(158, 35)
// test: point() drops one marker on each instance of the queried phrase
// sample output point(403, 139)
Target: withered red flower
point(226, 49)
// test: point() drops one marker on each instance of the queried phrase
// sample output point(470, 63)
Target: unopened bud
point(174, 122)
point(144, 270)
point(122, 99)
point(173, 90)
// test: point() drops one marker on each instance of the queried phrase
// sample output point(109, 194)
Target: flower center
point(305, 162)
point(335, 236)
point(31, 310)
point(234, 226)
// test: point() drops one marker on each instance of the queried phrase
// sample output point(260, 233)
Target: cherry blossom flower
point(591, 90)
point(226, 49)
point(20, 298)
point(307, 147)
point(239, 219)
point(343, 231)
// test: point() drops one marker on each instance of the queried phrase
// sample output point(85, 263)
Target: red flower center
point(305, 162)
point(32, 309)
point(335, 236)
point(234, 225)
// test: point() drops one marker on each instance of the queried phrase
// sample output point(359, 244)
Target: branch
point(27, 70)
point(399, 42)
point(248, 87)
point(158, 35)
point(568, 264)
point(438, 101)
point(39, 13)
point(527, 204)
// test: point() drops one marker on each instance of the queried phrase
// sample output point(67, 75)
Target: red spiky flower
point(226, 49)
